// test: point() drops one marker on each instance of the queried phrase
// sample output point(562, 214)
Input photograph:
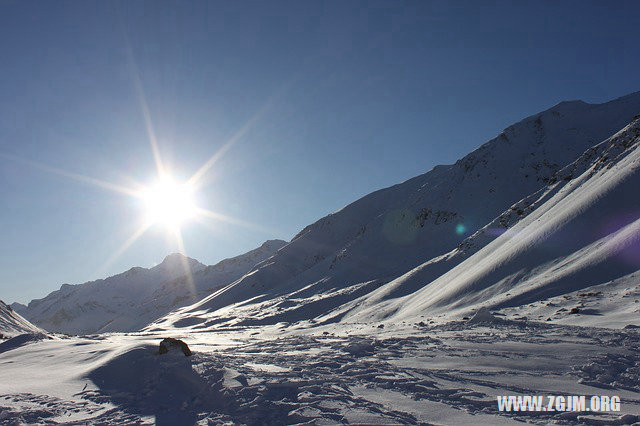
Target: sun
point(168, 203)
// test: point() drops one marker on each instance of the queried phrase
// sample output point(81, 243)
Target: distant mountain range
point(132, 299)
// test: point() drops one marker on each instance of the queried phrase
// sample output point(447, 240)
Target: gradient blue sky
point(337, 99)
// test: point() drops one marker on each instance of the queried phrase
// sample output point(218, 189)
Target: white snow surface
point(404, 374)
point(129, 301)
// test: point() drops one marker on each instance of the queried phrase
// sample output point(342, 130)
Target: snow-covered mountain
point(132, 299)
point(341, 260)
point(12, 323)
point(172, 294)
point(582, 230)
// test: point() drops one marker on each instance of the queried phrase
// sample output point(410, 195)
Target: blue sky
point(334, 99)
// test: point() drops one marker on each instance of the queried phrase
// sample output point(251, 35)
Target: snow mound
point(483, 315)
point(611, 371)
point(361, 348)
point(21, 340)
point(166, 386)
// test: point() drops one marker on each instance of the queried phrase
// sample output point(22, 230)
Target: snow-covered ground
point(409, 373)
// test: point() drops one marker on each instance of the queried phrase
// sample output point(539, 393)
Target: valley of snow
point(515, 271)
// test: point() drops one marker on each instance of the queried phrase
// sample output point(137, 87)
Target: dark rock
point(575, 310)
point(169, 343)
point(630, 326)
point(590, 294)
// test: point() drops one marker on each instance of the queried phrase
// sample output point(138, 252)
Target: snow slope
point(358, 252)
point(583, 230)
point(171, 294)
point(129, 301)
point(12, 323)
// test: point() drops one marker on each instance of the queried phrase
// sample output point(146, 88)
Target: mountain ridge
point(614, 163)
point(124, 302)
point(382, 235)
point(13, 324)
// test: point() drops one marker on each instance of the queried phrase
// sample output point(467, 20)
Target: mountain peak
point(174, 260)
point(276, 244)
point(172, 256)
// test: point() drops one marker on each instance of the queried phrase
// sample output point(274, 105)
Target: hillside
point(581, 231)
point(13, 324)
point(343, 258)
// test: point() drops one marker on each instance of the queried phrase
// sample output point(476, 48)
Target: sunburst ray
point(183, 260)
point(75, 176)
point(124, 247)
point(199, 174)
point(234, 221)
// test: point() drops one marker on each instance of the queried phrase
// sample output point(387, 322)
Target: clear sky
point(324, 102)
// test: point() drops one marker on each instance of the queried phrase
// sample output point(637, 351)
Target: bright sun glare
point(168, 203)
